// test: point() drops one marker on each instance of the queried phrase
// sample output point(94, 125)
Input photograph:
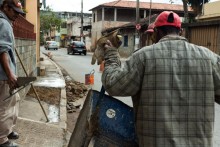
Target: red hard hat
point(168, 18)
point(150, 28)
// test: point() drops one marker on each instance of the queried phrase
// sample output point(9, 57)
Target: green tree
point(49, 21)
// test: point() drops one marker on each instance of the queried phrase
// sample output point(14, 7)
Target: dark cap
point(16, 5)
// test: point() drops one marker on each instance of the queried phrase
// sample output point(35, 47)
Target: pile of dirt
point(74, 91)
point(49, 95)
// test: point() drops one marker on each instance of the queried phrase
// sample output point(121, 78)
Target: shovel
point(22, 82)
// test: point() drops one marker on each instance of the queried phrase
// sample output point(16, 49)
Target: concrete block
point(41, 59)
point(42, 71)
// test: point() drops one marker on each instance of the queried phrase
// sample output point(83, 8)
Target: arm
point(124, 81)
point(4, 60)
point(216, 76)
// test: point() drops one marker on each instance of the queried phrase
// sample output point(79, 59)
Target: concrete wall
point(211, 11)
point(126, 51)
point(99, 26)
point(27, 53)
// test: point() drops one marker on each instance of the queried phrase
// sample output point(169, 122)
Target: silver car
point(51, 45)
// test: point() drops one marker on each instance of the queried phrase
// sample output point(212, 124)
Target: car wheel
point(85, 53)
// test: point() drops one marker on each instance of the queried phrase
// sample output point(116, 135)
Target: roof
point(142, 5)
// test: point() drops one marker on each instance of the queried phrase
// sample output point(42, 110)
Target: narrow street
point(79, 65)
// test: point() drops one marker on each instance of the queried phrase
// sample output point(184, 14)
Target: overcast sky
point(75, 5)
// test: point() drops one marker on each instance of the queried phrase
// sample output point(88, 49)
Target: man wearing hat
point(150, 33)
point(174, 86)
point(9, 11)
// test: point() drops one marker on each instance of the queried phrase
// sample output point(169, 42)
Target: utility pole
point(149, 21)
point(137, 39)
point(81, 30)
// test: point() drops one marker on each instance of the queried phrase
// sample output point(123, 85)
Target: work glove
point(112, 39)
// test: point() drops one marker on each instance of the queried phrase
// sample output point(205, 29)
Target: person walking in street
point(9, 11)
point(150, 33)
point(174, 85)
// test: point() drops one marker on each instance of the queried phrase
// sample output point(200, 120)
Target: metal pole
point(203, 7)
point(31, 85)
point(137, 39)
point(81, 30)
point(150, 12)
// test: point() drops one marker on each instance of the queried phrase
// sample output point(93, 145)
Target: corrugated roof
point(142, 5)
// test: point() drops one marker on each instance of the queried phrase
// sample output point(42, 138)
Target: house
point(206, 31)
point(210, 11)
point(73, 24)
point(119, 14)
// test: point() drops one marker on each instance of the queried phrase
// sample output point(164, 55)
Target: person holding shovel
point(9, 11)
point(174, 85)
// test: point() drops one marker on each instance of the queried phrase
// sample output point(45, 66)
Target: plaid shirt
point(173, 85)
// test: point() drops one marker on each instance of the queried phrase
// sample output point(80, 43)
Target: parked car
point(76, 47)
point(51, 45)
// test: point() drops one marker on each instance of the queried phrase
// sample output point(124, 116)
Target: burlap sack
point(113, 37)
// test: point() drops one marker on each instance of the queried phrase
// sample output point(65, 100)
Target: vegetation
point(49, 21)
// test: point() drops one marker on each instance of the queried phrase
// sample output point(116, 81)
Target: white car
point(51, 45)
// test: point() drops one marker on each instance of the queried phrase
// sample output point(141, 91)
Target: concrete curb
point(63, 101)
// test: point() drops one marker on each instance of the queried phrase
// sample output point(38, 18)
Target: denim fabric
point(7, 44)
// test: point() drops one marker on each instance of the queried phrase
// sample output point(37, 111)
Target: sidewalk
point(32, 125)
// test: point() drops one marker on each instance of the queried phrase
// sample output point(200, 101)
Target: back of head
point(167, 23)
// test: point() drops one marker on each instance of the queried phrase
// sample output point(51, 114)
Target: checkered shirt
point(173, 85)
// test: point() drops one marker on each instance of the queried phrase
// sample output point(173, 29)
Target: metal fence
point(23, 29)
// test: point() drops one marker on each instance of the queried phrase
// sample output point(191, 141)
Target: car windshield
point(78, 43)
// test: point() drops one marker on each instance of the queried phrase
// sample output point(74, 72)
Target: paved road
point(79, 65)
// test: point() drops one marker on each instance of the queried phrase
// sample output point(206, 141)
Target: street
point(79, 65)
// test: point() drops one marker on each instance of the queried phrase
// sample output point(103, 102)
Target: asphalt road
point(79, 65)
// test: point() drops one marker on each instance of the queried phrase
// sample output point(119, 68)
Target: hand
point(98, 56)
point(12, 81)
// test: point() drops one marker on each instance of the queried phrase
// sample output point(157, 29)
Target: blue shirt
point(7, 44)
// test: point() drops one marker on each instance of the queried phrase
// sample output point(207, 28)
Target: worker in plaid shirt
point(174, 85)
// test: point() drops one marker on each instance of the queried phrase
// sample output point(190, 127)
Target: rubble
point(74, 91)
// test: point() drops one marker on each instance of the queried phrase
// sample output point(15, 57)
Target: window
point(126, 41)
point(93, 17)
